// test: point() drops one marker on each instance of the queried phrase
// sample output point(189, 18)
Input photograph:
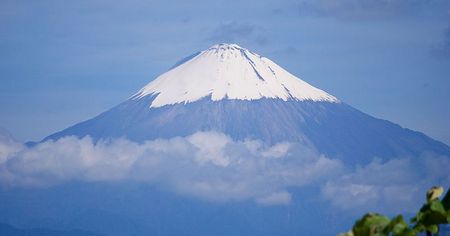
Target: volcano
point(229, 89)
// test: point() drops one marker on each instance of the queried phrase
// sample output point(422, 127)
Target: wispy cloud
point(8, 145)
point(277, 198)
point(442, 49)
point(232, 32)
point(360, 9)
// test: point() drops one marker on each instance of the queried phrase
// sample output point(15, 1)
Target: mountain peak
point(226, 46)
point(228, 71)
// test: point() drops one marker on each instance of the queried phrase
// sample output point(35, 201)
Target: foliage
point(432, 214)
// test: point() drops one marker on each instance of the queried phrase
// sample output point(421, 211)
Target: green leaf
point(446, 200)
point(371, 224)
point(433, 218)
point(399, 227)
point(431, 213)
point(433, 229)
point(437, 206)
point(419, 228)
point(418, 217)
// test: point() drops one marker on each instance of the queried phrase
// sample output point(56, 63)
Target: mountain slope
point(229, 89)
point(336, 130)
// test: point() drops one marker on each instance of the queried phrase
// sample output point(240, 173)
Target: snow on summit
point(228, 71)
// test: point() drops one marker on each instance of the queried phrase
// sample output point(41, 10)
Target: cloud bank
point(393, 185)
point(213, 167)
point(207, 165)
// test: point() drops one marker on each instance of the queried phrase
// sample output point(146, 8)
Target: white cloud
point(396, 185)
point(207, 165)
point(276, 151)
point(211, 166)
point(210, 148)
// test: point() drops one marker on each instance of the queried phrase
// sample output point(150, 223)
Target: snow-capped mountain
point(229, 89)
point(227, 71)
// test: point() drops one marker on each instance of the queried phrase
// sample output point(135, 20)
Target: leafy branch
point(432, 214)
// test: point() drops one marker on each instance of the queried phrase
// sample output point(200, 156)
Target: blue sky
point(67, 61)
